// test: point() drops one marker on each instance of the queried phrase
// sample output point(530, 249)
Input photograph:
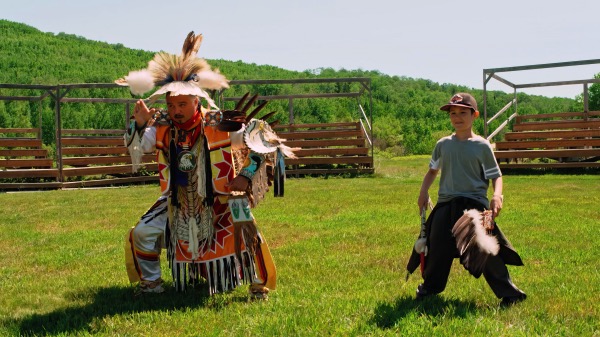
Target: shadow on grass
point(387, 315)
point(551, 171)
point(113, 301)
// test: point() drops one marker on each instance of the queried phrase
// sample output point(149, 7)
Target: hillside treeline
point(406, 116)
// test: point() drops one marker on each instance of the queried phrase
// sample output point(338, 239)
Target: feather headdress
point(474, 241)
point(185, 74)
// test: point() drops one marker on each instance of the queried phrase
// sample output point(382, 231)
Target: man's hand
point(142, 114)
point(496, 205)
point(238, 184)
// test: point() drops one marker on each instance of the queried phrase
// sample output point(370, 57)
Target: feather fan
point(475, 245)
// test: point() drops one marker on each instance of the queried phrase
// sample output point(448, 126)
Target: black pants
point(442, 251)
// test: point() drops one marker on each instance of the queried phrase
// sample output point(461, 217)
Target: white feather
point(140, 82)
point(487, 243)
point(211, 80)
point(421, 246)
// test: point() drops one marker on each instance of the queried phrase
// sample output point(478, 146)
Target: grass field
point(340, 245)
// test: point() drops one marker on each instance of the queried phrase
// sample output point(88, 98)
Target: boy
point(467, 163)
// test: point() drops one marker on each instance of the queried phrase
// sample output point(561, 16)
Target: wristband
point(247, 174)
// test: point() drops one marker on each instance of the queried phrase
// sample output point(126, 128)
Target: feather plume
point(257, 110)
point(269, 115)
point(140, 82)
point(240, 103)
point(249, 104)
point(210, 79)
point(421, 246)
point(185, 74)
point(474, 243)
point(191, 45)
point(288, 151)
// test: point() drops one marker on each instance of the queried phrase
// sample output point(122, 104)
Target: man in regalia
point(214, 166)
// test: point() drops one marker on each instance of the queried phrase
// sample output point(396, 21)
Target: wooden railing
point(99, 158)
point(331, 148)
point(24, 161)
point(560, 140)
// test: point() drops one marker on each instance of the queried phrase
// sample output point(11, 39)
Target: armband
point(253, 163)
point(247, 174)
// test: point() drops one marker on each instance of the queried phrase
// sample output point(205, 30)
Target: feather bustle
point(473, 242)
point(256, 110)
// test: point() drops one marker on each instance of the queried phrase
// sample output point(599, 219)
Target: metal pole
point(516, 101)
point(485, 128)
point(291, 110)
point(58, 135)
point(586, 102)
point(371, 121)
point(127, 115)
point(40, 120)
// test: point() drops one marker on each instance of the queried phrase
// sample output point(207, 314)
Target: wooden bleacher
point(24, 163)
point(558, 140)
point(99, 158)
point(332, 148)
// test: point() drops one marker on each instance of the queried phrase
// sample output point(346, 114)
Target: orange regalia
point(208, 230)
point(211, 253)
point(214, 254)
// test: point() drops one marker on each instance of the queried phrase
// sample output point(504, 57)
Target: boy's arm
point(497, 198)
point(427, 182)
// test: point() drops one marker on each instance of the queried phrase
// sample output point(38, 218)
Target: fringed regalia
point(208, 230)
point(212, 252)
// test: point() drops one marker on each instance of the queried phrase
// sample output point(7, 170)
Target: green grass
point(340, 245)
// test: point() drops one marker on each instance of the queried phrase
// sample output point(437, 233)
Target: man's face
point(181, 107)
point(461, 118)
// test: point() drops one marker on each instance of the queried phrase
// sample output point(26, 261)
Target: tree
point(594, 95)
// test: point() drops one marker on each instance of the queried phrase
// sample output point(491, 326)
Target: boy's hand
point(496, 205)
point(423, 201)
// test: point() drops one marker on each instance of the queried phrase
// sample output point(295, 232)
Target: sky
point(439, 40)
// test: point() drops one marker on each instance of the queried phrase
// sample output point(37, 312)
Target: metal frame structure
point(59, 94)
point(488, 74)
point(366, 118)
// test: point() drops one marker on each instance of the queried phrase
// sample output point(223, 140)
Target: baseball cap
point(461, 99)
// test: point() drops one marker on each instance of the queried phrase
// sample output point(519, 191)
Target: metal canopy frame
point(488, 74)
point(365, 113)
point(60, 95)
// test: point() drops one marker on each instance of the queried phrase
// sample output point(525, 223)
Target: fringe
point(134, 146)
point(223, 274)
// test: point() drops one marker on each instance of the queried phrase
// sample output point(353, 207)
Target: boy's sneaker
point(508, 301)
point(422, 292)
point(150, 286)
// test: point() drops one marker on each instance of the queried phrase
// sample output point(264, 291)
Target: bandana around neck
point(190, 123)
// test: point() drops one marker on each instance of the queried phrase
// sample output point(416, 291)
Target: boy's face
point(181, 107)
point(461, 118)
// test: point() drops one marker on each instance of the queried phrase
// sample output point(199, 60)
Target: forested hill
point(406, 112)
